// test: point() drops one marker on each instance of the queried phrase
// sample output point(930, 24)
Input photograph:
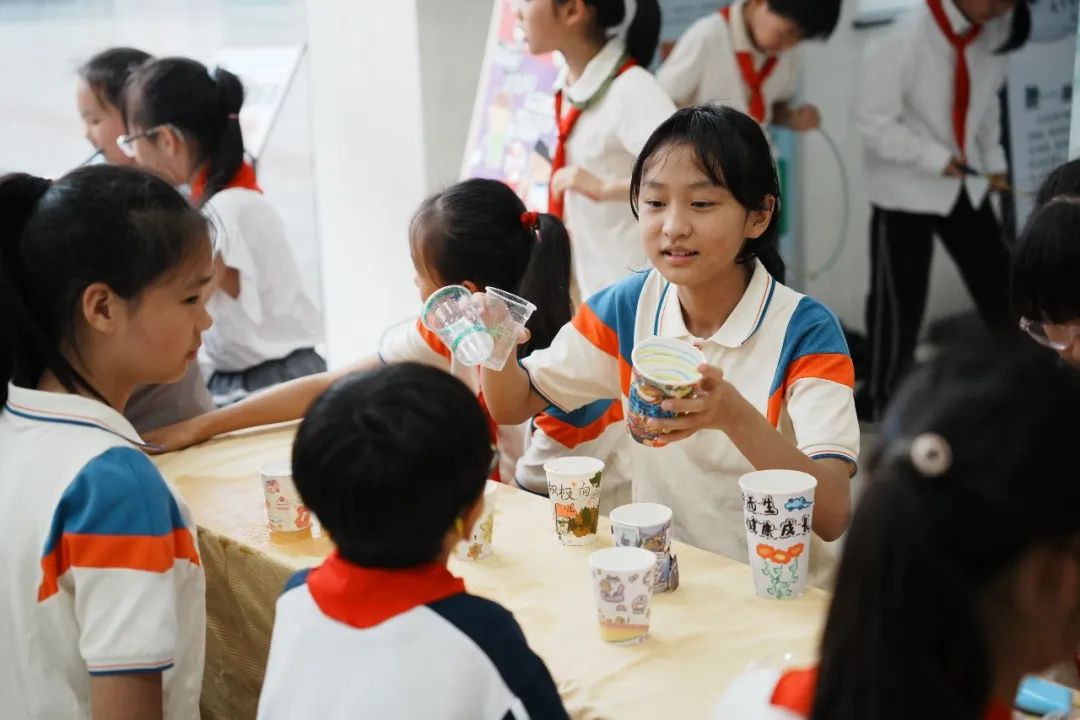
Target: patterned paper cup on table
point(450, 314)
point(648, 526)
point(663, 369)
point(778, 506)
point(574, 491)
point(285, 511)
point(623, 586)
point(509, 313)
point(478, 545)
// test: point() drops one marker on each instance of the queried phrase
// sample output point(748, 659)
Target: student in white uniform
point(930, 119)
point(476, 233)
point(99, 98)
point(103, 276)
point(745, 56)
point(184, 125)
point(961, 568)
point(606, 105)
point(778, 384)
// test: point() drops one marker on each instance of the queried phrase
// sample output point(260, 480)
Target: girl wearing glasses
point(183, 124)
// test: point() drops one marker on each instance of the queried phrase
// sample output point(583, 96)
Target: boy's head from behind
point(779, 25)
point(390, 459)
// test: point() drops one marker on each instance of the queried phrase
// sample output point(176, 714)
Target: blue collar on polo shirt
point(70, 409)
point(740, 326)
point(365, 597)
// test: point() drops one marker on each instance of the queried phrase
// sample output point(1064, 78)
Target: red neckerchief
point(753, 79)
point(244, 178)
point(566, 126)
point(961, 78)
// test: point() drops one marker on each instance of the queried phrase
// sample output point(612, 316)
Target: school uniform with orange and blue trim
point(783, 351)
point(99, 566)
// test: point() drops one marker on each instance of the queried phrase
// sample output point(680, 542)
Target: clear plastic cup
point(450, 314)
point(507, 315)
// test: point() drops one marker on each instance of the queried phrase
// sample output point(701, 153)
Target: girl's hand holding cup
point(716, 405)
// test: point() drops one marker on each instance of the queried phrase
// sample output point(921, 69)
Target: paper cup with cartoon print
point(574, 491)
point(648, 526)
point(778, 506)
point(479, 543)
point(285, 511)
point(451, 314)
point(663, 369)
point(623, 586)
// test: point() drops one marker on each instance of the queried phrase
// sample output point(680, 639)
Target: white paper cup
point(778, 506)
point(506, 324)
point(285, 511)
point(647, 526)
point(479, 543)
point(574, 491)
point(663, 369)
point(622, 580)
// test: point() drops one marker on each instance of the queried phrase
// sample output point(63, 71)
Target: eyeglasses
point(1051, 335)
point(126, 143)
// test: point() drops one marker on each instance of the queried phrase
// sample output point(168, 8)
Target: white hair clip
point(629, 13)
point(931, 455)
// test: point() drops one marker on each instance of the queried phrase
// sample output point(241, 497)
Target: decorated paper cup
point(509, 313)
point(450, 314)
point(574, 491)
point(778, 506)
point(663, 369)
point(623, 586)
point(285, 511)
point(478, 545)
point(648, 526)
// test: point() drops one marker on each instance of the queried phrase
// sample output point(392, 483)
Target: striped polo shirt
point(354, 642)
point(783, 351)
point(99, 565)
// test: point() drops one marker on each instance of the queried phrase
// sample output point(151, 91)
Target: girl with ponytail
point(606, 105)
point(183, 124)
point(961, 571)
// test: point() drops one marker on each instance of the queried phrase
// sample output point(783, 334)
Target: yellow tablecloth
point(702, 635)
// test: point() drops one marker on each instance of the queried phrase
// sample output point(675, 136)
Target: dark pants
point(230, 387)
point(901, 246)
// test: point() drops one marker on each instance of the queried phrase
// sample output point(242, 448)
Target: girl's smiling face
point(692, 228)
point(102, 122)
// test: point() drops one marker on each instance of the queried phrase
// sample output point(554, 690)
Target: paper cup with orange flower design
point(778, 506)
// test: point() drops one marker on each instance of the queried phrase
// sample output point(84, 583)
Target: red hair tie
point(530, 220)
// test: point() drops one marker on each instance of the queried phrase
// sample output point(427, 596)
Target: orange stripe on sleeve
point(570, 436)
point(827, 366)
point(604, 337)
point(795, 691)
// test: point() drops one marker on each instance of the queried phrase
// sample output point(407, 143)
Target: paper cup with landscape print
point(778, 506)
point(663, 369)
point(479, 543)
point(450, 314)
point(648, 526)
point(623, 585)
point(574, 491)
point(285, 510)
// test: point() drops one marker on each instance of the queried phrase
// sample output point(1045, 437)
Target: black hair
point(925, 550)
point(389, 459)
point(1062, 180)
point(1046, 263)
point(474, 231)
point(731, 149)
point(643, 35)
point(1019, 28)
point(203, 104)
point(107, 72)
point(814, 18)
point(100, 224)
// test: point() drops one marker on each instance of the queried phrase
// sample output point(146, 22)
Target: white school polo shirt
point(99, 572)
point(783, 351)
point(273, 315)
point(352, 642)
point(702, 67)
point(903, 111)
point(605, 141)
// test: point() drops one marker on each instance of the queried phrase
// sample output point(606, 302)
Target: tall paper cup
point(285, 511)
point(648, 526)
point(574, 491)
point(623, 585)
point(479, 543)
point(778, 506)
point(663, 369)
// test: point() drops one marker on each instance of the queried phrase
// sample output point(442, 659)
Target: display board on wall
point(1040, 91)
